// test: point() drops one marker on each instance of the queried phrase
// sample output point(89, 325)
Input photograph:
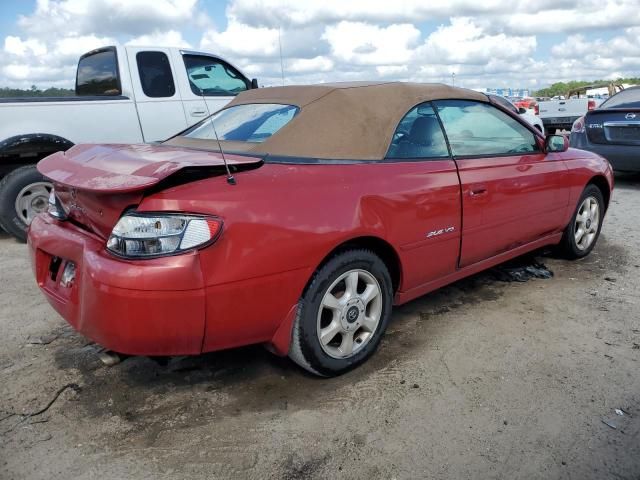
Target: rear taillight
point(578, 126)
point(591, 105)
point(536, 109)
point(144, 235)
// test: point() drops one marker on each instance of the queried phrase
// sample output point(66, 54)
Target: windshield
point(629, 98)
point(254, 122)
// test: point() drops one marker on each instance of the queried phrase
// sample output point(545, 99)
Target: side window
point(155, 74)
point(418, 135)
point(210, 77)
point(480, 129)
point(98, 74)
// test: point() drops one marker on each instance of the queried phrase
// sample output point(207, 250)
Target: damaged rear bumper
point(144, 307)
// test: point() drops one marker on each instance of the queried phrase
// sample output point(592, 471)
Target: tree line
point(561, 88)
point(36, 92)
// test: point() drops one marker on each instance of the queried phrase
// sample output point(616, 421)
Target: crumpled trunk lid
point(95, 184)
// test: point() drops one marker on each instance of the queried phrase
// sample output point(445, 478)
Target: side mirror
point(254, 83)
point(522, 110)
point(556, 143)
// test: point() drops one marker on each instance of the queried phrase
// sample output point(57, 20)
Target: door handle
point(478, 190)
point(197, 112)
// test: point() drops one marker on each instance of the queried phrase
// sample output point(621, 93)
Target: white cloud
point(242, 40)
point(462, 41)
point(519, 16)
point(72, 47)
point(275, 13)
point(16, 46)
point(579, 16)
point(59, 31)
point(172, 38)
point(107, 17)
point(365, 44)
point(310, 65)
point(488, 43)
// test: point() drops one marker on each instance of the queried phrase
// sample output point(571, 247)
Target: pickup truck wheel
point(582, 233)
point(342, 314)
point(24, 193)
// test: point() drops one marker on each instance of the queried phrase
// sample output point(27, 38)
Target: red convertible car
point(298, 216)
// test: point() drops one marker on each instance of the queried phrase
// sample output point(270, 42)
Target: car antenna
point(230, 178)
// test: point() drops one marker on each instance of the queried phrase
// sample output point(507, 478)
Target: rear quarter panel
point(282, 220)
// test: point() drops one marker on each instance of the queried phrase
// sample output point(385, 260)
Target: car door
point(512, 192)
point(158, 101)
point(207, 79)
point(427, 223)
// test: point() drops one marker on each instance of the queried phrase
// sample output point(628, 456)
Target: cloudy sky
point(486, 43)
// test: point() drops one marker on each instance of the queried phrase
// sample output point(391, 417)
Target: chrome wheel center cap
point(351, 316)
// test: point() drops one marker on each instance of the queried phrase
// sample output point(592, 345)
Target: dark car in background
point(612, 130)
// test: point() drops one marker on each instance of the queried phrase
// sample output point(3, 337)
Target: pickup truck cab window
point(98, 73)
point(209, 76)
point(245, 123)
point(155, 74)
point(419, 135)
point(480, 130)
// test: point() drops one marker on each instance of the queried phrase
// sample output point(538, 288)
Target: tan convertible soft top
point(353, 120)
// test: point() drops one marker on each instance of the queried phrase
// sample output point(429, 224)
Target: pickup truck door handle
point(198, 112)
point(477, 190)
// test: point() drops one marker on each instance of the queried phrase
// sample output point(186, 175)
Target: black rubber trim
point(76, 98)
point(282, 159)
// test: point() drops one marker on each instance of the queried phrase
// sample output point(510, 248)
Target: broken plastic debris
point(609, 424)
point(43, 340)
point(521, 270)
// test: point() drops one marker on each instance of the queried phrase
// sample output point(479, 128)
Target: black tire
point(10, 187)
point(306, 349)
point(568, 246)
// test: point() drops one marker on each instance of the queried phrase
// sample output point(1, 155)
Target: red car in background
point(298, 216)
point(528, 103)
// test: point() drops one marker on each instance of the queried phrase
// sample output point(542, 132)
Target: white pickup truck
point(123, 95)
point(560, 114)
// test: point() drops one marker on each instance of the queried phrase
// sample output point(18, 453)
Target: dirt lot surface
point(482, 379)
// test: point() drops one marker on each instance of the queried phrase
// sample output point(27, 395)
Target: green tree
point(561, 88)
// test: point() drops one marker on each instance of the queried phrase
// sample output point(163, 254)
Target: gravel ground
point(482, 379)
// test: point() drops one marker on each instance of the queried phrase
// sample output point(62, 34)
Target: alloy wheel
point(349, 313)
point(586, 223)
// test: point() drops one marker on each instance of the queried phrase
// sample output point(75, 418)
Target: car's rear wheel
point(342, 314)
point(582, 233)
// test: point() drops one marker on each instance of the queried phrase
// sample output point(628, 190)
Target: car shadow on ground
point(252, 379)
point(627, 180)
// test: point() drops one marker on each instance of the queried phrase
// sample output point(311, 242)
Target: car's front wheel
point(582, 233)
point(342, 314)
